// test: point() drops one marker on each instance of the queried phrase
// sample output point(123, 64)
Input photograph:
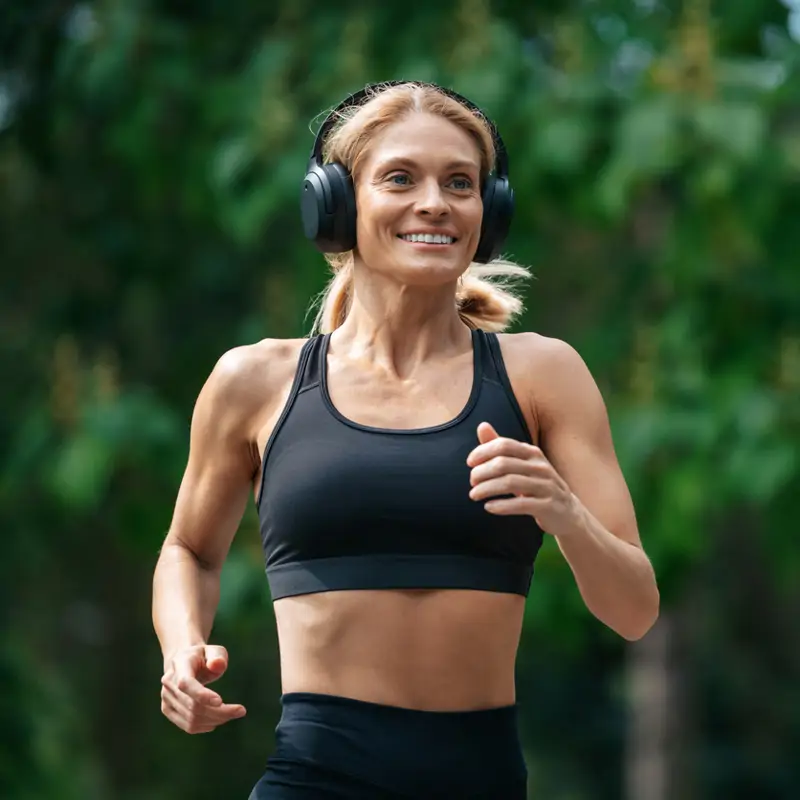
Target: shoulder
point(247, 378)
point(248, 368)
point(551, 374)
point(545, 351)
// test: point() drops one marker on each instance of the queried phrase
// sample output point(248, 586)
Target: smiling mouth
point(435, 239)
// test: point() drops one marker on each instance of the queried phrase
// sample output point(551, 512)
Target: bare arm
point(572, 485)
point(602, 545)
point(211, 501)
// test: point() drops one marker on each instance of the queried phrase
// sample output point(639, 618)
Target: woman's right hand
point(185, 700)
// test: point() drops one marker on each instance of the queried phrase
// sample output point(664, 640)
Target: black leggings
point(335, 748)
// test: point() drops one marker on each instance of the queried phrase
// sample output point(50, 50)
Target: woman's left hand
point(502, 466)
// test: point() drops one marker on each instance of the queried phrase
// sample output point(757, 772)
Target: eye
point(399, 179)
point(461, 183)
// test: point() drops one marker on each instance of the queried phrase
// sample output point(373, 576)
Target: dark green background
point(150, 161)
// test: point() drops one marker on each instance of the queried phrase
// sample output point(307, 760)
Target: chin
point(416, 269)
point(429, 273)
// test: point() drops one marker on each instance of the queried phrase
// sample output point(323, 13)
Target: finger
point(216, 658)
point(190, 675)
point(502, 447)
point(506, 485)
point(195, 708)
point(175, 715)
point(509, 506)
point(203, 711)
point(486, 433)
point(504, 465)
point(172, 711)
point(178, 700)
point(178, 717)
point(186, 683)
point(187, 726)
point(199, 721)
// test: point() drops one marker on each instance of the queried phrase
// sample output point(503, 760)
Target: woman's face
point(420, 178)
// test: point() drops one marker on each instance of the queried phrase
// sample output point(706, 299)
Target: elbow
point(638, 625)
point(634, 634)
point(175, 549)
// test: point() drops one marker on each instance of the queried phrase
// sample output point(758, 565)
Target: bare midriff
point(436, 650)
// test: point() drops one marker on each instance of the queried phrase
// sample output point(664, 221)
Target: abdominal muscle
point(435, 650)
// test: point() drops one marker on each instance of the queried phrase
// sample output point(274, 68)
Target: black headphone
point(328, 200)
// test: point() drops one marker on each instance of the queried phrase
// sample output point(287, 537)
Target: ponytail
point(486, 297)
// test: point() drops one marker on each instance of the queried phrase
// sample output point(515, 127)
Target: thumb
point(216, 658)
point(486, 433)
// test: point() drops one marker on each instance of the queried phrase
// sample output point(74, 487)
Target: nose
point(432, 201)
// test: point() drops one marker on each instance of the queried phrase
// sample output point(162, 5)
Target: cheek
point(375, 217)
point(473, 216)
point(371, 239)
point(381, 208)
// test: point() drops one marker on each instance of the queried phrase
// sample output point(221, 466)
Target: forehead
point(423, 138)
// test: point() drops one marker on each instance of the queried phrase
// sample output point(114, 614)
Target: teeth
point(427, 238)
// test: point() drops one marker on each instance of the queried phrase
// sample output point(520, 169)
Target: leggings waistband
point(412, 752)
point(321, 700)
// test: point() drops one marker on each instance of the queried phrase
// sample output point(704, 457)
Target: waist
point(411, 752)
point(443, 650)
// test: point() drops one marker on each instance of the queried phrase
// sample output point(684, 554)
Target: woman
point(406, 463)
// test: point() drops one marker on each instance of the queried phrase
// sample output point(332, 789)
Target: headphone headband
point(356, 99)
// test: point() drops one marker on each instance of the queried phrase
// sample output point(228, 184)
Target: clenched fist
point(513, 477)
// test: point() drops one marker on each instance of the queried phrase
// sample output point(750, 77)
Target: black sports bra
point(348, 506)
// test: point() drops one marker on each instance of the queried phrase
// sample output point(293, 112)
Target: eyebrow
point(409, 162)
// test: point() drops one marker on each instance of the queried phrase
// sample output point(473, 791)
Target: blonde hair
point(485, 296)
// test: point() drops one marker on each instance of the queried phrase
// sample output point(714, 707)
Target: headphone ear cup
point(328, 208)
point(498, 210)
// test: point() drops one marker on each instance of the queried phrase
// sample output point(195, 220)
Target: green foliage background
point(150, 160)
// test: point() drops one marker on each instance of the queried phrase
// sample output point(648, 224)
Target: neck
point(400, 326)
